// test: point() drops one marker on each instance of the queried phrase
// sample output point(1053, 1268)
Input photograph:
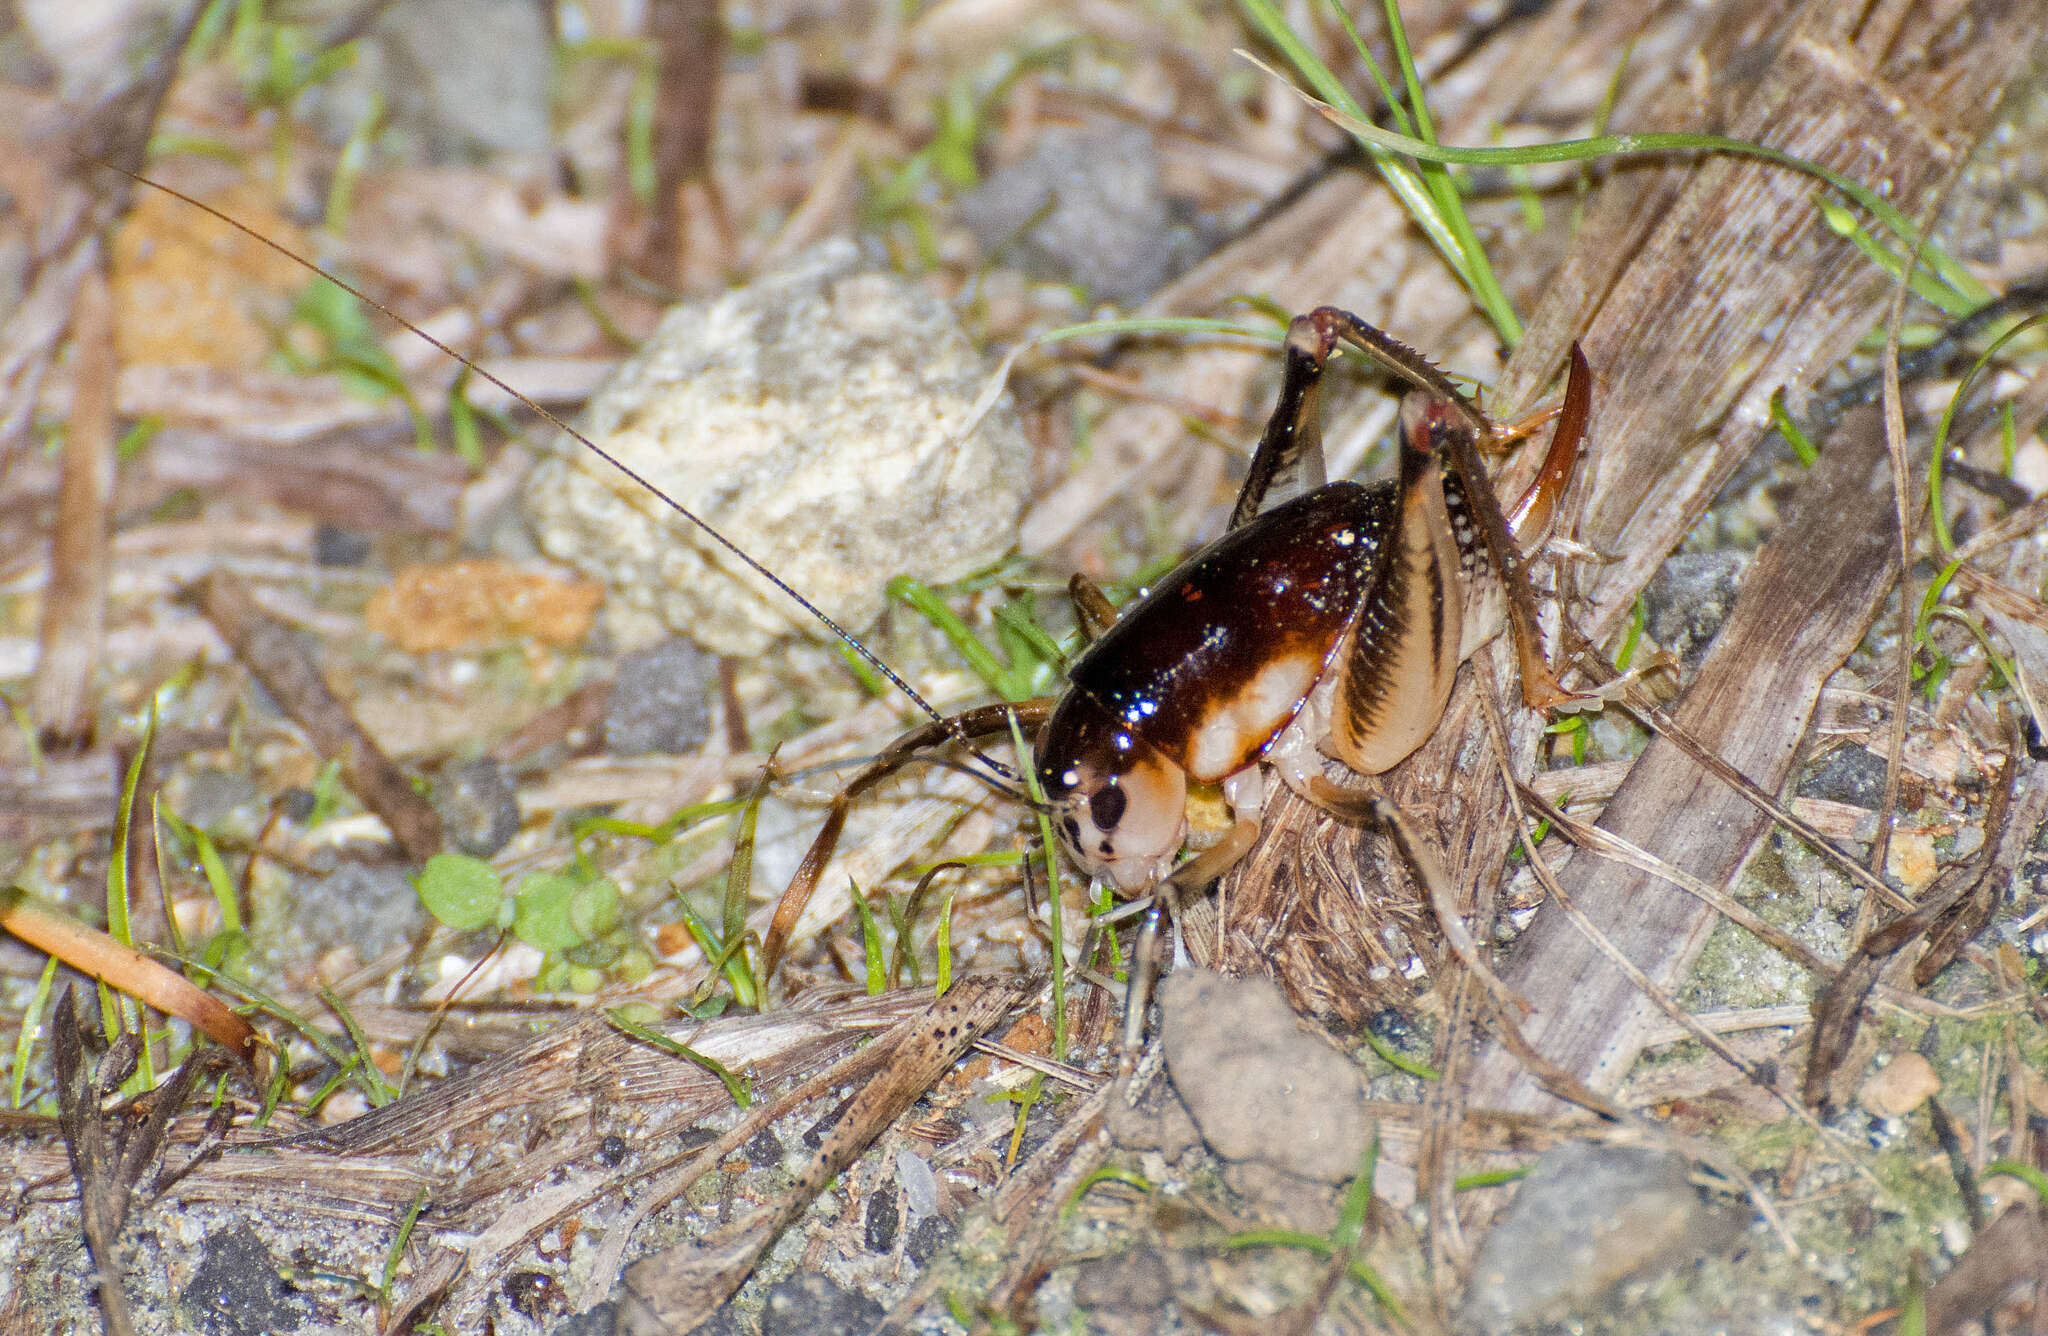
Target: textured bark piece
point(1804, 606)
point(1736, 292)
point(674, 1290)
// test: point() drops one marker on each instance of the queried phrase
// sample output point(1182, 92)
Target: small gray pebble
point(237, 1292)
point(1085, 206)
point(1690, 597)
point(479, 809)
point(298, 804)
point(212, 798)
point(370, 906)
point(603, 1320)
point(335, 546)
point(879, 1225)
point(764, 1151)
point(1135, 1282)
point(1850, 774)
point(1585, 1219)
point(1260, 1084)
point(661, 701)
point(927, 1237)
point(810, 1304)
point(463, 77)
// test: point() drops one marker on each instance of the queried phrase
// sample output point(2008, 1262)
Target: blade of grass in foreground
point(1437, 211)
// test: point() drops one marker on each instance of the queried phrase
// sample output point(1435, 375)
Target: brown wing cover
point(1286, 583)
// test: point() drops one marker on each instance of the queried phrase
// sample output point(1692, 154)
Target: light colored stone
point(1259, 1082)
point(1899, 1087)
point(811, 417)
point(1587, 1218)
point(1910, 858)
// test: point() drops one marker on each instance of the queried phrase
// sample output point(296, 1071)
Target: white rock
point(811, 417)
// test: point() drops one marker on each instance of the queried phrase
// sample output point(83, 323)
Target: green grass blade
point(1924, 282)
point(1358, 1197)
point(1054, 918)
point(1108, 1173)
point(1475, 269)
point(870, 942)
point(1403, 180)
point(903, 960)
point(1341, 112)
point(2025, 1173)
point(462, 426)
point(921, 597)
point(737, 1085)
point(1948, 414)
point(739, 873)
point(396, 1253)
point(1398, 1060)
point(375, 1088)
point(25, 1038)
point(944, 977)
point(1492, 1178)
point(1802, 445)
point(119, 926)
point(723, 957)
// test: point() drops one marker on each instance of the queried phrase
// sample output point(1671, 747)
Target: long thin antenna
point(852, 642)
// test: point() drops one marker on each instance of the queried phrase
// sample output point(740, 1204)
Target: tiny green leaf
point(594, 909)
point(544, 916)
point(461, 891)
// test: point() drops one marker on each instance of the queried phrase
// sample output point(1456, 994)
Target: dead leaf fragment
point(473, 604)
point(1899, 1087)
point(191, 290)
point(1911, 859)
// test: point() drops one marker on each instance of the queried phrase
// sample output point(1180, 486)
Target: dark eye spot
point(1072, 828)
point(1106, 807)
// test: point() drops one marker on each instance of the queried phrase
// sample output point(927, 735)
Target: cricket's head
point(1119, 805)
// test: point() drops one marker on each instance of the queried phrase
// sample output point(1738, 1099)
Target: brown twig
point(90, 951)
point(689, 37)
point(74, 629)
point(289, 675)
